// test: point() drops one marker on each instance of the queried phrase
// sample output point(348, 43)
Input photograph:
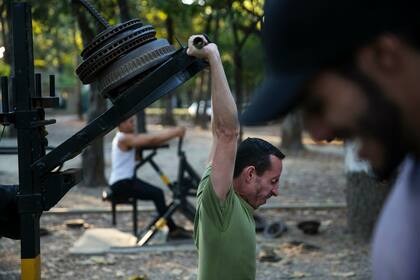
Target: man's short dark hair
point(255, 152)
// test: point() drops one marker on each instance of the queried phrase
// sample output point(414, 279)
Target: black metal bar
point(190, 170)
point(57, 184)
point(45, 102)
point(188, 210)
point(95, 13)
point(13, 150)
point(158, 223)
point(144, 161)
point(114, 213)
point(52, 85)
point(135, 217)
point(163, 80)
point(38, 86)
point(29, 143)
point(5, 94)
point(155, 167)
point(42, 123)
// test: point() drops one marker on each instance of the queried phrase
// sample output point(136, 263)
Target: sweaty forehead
point(276, 164)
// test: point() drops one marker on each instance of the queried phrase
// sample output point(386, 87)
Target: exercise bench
point(107, 195)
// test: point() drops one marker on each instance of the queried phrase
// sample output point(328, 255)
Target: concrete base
point(100, 240)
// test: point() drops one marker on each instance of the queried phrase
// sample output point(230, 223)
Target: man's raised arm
point(225, 123)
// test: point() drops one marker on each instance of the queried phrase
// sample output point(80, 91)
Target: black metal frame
point(175, 71)
point(39, 187)
point(186, 185)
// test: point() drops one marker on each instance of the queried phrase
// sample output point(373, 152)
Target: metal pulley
point(121, 55)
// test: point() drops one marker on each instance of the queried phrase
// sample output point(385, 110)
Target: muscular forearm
point(144, 140)
point(166, 135)
point(225, 116)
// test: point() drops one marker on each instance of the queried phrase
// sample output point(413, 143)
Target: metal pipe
point(4, 94)
point(52, 85)
point(38, 92)
point(95, 13)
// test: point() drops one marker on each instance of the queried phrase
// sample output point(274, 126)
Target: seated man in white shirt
point(122, 180)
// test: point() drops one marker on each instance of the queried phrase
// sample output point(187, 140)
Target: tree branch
point(247, 32)
point(251, 12)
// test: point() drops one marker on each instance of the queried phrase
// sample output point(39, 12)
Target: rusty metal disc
point(109, 53)
point(109, 34)
point(136, 62)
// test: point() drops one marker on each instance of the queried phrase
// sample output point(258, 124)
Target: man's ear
point(250, 173)
point(383, 56)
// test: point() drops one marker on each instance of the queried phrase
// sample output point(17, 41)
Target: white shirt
point(123, 162)
point(396, 243)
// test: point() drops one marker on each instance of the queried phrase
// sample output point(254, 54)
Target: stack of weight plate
point(121, 55)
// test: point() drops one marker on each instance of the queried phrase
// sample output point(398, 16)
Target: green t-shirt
point(224, 233)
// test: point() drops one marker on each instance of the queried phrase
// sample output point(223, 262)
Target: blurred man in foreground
point(352, 68)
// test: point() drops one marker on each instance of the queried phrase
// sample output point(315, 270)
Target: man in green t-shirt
point(238, 180)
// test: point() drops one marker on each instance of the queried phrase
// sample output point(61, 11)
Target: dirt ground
point(332, 254)
point(314, 178)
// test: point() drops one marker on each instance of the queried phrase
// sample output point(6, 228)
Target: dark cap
point(301, 37)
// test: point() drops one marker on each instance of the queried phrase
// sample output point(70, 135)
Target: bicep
point(223, 156)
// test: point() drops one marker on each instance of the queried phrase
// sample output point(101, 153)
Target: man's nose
point(319, 131)
point(275, 191)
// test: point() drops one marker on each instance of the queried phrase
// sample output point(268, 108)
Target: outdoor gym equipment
point(41, 186)
point(185, 185)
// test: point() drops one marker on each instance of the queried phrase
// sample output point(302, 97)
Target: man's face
point(394, 64)
point(338, 107)
point(127, 126)
point(265, 186)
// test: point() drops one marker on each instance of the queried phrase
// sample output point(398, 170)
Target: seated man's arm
point(225, 124)
point(143, 140)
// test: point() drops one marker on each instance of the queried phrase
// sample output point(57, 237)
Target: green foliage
point(4, 69)
point(57, 39)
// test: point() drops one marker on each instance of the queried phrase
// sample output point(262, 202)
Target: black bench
point(107, 195)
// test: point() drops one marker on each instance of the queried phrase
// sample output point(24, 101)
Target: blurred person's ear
point(384, 56)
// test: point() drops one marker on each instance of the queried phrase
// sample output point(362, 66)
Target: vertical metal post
point(29, 144)
point(5, 95)
point(52, 85)
point(38, 85)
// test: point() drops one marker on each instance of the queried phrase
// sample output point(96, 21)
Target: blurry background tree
point(127, 12)
point(291, 133)
point(93, 156)
point(364, 196)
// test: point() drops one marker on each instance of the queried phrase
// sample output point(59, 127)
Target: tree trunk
point(168, 116)
point(125, 15)
point(78, 87)
point(11, 131)
point(5, 20)
point(93, 156)
point(291, 133)
point(93, 165)
point(78, 90)
point(124, 10)
point(364, 196)
point(201, 118)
